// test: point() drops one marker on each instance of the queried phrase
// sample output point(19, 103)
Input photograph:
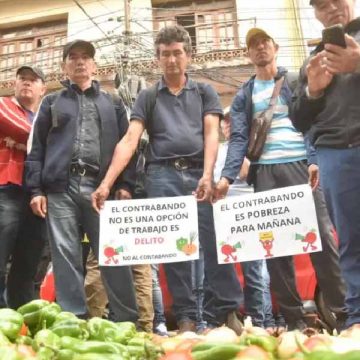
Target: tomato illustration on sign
point(309, 238)
point(229, 250)
point(110, 253)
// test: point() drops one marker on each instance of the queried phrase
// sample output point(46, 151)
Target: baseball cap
point(37, 71)
point(88, 46)
point(255, 32)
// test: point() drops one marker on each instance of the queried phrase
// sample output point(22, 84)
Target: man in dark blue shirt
point(183, 142)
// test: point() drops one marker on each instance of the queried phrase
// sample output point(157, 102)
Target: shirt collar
point(93, 89)
point(189, 84)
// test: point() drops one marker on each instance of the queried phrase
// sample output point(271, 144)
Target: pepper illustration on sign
point(110, 253)
point(229, 250)
point(309, 238)
point(187, 246)
point(267, 238)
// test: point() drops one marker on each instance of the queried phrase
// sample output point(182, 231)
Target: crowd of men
point(82, 151)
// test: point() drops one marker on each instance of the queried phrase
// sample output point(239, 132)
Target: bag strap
point(269, 112)
point(276, 92)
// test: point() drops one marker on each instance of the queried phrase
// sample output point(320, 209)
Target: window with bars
point(40, 45)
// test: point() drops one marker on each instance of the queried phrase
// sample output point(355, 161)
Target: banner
point(148, 231)
point(267, 224)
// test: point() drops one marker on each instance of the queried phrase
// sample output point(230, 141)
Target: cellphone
point(334, 35)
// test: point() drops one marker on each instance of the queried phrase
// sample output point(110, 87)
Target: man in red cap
point(16, 240)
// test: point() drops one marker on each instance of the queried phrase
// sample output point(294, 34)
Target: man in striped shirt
point(16, 235)
point(283, 162)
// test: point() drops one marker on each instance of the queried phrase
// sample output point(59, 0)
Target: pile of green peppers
point(58, 335)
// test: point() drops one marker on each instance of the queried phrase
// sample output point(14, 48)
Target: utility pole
point(127, 31)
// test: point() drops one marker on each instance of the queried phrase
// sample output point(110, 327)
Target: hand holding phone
point(334, 35)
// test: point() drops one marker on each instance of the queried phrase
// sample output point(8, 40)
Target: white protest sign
point(146, 231)
point(267, 224)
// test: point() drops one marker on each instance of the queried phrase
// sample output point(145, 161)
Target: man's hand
point(221, 189)
point(313, 171)
point(244, 171)
point(340, 60)
point(99, 196)
point(203, 191)
point(122, 194)
point(318, 75)
point(38, 205)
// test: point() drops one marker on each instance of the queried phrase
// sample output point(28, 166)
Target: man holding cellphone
point(326, 102)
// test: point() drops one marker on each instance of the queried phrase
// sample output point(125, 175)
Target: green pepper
point(45, 353)
point(208, 345)
point(24, 340)
point(92, 346)
point(65, 315)
point(3, 339)
point(65, 354)
point(39, 314)
point(142, 348)
point(223, 352)
point(30, 311)
point(9, 353)
point(268, 343)
point(103, 330)
point(126, 331)
point(46, 338)
point(75, 328)
point(95, 356)
point(10, 323)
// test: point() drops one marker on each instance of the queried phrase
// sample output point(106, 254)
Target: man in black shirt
point(326, 102)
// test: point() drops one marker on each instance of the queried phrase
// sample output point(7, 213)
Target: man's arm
point(35, 159)
point(238, 144)
point(308, 100)
point(125, 183)
point(123, 153)
point(11, 124)
point(211, 143)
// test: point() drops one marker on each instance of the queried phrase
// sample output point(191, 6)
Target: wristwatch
point(310, 97)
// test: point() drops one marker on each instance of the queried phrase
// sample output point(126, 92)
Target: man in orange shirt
point(16, 240)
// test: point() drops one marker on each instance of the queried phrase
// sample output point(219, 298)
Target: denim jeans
point(198, 275)
point(224, 293)
point(340, 180)
point(12, 202)
point(23, 237)
point(252, 271)
point(159, 316)
point(254, 291)
point(270, 320)
point(68, 212)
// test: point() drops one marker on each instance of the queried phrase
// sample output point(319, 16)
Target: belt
point(182, 163)
point(83, 170)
